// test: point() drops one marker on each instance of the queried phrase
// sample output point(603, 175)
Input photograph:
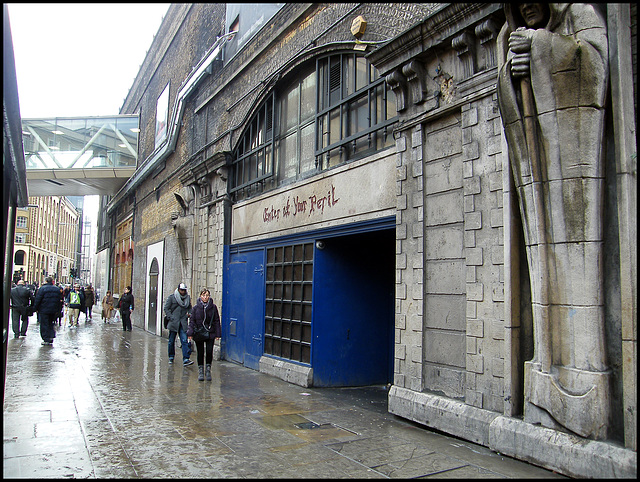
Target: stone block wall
point(484, 253)
point(409, 268)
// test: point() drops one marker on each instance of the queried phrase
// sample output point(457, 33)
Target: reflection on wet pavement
point(103, 403)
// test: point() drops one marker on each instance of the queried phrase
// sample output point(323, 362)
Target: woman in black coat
point(204, 328)
point(126, 307)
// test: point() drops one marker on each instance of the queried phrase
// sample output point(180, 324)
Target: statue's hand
point(521, 65)
point(520, 40)
point(520, 45)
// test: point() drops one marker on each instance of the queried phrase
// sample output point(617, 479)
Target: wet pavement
point(103, 403)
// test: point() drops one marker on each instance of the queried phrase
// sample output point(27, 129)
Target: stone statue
point(183, 225)
point(553, 74)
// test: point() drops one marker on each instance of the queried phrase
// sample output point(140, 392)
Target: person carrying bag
point(204, 328)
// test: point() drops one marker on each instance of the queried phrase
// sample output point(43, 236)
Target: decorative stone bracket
point(464, 45)
point(398, 85)
point(487, 32)
point(416, 76)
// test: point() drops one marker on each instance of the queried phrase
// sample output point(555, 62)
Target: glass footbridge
point(80, 156)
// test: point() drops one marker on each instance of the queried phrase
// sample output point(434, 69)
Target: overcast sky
point(75, 59)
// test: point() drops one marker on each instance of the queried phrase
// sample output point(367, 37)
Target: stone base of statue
point(568, 399)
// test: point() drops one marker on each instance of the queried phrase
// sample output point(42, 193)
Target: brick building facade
point(346, 201)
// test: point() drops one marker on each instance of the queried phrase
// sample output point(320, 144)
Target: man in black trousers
point(49, 300)
point(22, 300)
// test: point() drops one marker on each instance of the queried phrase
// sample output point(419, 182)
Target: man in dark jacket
point(89, 301)
point(49, 299)
point(178, 308)
point(22, 300)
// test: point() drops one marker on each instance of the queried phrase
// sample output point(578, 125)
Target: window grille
point(289, 283)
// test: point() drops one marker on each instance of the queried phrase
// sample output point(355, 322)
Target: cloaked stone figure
point(553, 75)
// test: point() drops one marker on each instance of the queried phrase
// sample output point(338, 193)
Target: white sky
point(78, 59)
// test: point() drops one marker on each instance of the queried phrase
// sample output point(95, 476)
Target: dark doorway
point(153, 296)
point(353, 309)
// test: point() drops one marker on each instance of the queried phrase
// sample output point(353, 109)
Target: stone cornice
point(201, 169)
point(435, 30)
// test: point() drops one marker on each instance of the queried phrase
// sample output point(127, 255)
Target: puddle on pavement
point(303, 428)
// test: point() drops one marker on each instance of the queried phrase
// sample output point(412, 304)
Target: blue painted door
point(246, 308)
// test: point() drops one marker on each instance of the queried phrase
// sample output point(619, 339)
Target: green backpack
point(74, 298)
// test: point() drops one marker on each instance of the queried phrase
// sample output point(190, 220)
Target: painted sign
point(355, 192)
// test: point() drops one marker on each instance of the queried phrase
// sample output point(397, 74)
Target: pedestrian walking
point(89, 301)
point(125, 305)
point(177, 308)
point(107, 307)
point(73, 301)
point(22, 301)
point(83, 305)
point(204, 328)
point(48, 303)
point(63, 312)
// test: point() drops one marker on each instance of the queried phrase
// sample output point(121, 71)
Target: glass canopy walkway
point(79, 156)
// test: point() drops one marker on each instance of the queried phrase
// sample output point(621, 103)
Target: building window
point(162, 116)
point(21, 238)
point(296, 109)
point(336, 110)
point(355, 110)
point(254, 153)
point(289, 283)
point(21, 222)
point(19, 257)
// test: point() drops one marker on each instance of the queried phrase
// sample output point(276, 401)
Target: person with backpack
point(74, 301)
point(177, 308)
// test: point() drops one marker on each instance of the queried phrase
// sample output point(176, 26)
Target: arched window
point(334, 110)
point(19, 257)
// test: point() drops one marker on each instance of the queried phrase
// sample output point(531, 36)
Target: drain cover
point(306, 425)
